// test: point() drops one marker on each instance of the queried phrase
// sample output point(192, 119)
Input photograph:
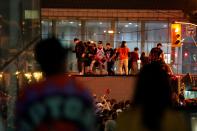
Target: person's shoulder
point(30, 90)
point(175, 114)
point(132, 53)
point(154, 48)
point(176, 120)
point(135, 112)
point(129, 120)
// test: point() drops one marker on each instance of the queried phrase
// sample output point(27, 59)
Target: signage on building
point(31, 14)
point(190, 31)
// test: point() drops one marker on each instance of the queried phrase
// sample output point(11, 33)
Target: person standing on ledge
point(133, 58)
point(156, 54)
point(123, 53)
point(80, 54)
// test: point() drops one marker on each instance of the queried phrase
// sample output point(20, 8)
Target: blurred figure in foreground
point(152, 108)
point(187, 80)
point(58, 103)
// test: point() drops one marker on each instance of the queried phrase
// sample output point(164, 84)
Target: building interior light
point(126, 26)
point(28, 75)
point(164, 25)
point(130, 23)
point(1, 75)
point(17, 72)
point(110, 31)
point(38, 75)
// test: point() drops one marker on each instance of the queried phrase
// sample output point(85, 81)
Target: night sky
point(122, 4)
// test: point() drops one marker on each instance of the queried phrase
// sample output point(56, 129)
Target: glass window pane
point(66, 31)
point(156, 32)
point(46, 28)
point(128, 31)
point(97, 30)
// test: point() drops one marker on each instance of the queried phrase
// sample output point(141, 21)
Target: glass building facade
point(140, 28)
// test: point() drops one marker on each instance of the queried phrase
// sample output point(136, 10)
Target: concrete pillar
point(111, 36)
point(143, 36)
point(15, 22)
point(83, 30)
point(179, 61)
point(54, 30)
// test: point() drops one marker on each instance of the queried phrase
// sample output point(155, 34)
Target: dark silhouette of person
point(187, 80)
point(57, 103)
point(152, 108)
point(80, 49)
point(133, 58)
point(156, 54)
point(144, 59)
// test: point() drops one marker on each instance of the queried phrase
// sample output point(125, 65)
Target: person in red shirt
point(123, 52)
point(133, 58)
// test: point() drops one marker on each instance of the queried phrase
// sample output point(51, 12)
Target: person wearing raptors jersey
point(99, 58)
point(59, 102)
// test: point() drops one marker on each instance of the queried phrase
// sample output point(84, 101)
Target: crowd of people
point(107, 111)
point(92, 56)
point(61, 103)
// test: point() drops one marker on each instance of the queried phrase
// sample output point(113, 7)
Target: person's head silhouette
point(153, 94)
point(153, 86)
point(57, 103)
point(51, 56)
